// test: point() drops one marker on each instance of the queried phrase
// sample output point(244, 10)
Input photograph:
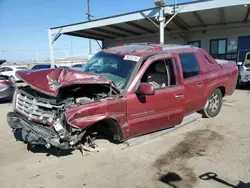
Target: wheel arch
point(222, 89)
point(113, 127)
point(218, 84)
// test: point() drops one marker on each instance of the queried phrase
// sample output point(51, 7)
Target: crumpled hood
point(49, 81)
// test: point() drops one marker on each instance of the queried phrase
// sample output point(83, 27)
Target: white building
point(221, 27)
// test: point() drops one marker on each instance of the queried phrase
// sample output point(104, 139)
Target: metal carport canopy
point(183, 18)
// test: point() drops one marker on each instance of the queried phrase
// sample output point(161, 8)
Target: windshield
point(112, 66)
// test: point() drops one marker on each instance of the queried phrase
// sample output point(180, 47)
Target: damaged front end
point(42, 119)
point(37, 134)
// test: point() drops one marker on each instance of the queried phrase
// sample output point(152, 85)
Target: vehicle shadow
point(170, 179)
point(48, 151)
point(173, 180)
point(213, 176)
point(6, 101)
point(40, 148)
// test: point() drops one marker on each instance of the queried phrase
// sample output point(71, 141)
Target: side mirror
point(146, 89)
point(239, 63)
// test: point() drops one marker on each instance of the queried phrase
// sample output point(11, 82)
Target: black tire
point(241, 85)
point(213, 105)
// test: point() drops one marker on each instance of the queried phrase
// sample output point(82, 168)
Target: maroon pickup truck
point(121, 92)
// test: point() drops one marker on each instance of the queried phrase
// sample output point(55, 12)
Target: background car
point(77, 65)
point(7, 88)
point(65, 67)
point(244, 69)
point(2, 61)
point(11, 72)
point(42, 66)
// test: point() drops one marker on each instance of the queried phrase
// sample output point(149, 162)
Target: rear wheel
point(213, 105)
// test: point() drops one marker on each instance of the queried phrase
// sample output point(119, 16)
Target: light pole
point(89, 18)
point(161, 4)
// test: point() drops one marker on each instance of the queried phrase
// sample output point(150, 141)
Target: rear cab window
point(190, 66)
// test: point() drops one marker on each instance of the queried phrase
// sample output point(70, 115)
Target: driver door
point(163, 109)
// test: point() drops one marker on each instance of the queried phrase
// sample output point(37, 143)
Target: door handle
point(199, 85)
point(179, 96)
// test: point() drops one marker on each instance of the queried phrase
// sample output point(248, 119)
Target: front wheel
point(213, 105)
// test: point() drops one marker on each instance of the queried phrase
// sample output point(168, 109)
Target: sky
point(24, 24)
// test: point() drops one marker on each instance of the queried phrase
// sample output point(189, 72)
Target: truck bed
point(225, 63)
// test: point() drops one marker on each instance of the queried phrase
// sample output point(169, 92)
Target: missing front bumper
point(35, 134)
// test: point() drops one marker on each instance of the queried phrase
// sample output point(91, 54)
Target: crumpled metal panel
point(49, 81)
point(85, 115)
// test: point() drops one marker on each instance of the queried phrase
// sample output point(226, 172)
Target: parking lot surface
point(181, 158)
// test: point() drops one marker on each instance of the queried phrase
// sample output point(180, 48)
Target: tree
point(2, 61)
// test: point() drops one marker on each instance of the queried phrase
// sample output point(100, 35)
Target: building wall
point(231, 34)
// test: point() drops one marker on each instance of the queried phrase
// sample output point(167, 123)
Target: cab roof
point(142, 49)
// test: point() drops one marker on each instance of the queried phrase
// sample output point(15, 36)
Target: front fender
point(86, 115)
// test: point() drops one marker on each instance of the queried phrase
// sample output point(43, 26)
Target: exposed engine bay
point(41, 120)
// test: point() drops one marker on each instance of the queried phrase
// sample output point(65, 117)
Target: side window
point(189, 64)
point(160, 74)
point(8, 69)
